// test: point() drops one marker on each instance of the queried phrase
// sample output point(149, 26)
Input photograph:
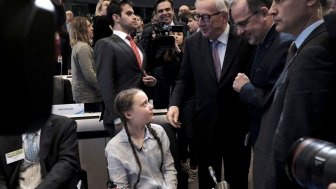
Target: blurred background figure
point(139, 28)
point(160, 58)
point(84, 80)
point(63, 47)
point(192, 23)
point(101, 26)
point(101, 7)
point(183, 9)
point(68, 19)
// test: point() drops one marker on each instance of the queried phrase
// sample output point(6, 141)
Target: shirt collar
point(305, 33)
point(25, 134)
point(224, 37)
point(121, 34)
point(124, 137)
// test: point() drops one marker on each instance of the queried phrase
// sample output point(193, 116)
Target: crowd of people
point(239, 79)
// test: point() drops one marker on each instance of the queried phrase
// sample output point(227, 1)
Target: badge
point(15, 156)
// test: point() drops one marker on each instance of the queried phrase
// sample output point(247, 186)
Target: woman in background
point(139, 155)
point(84, 80)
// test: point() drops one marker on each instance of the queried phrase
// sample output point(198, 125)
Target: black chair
point(62, 92)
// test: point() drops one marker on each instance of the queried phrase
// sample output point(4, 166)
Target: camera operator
point(160, 49)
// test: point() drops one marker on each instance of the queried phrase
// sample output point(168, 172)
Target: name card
point(68, 109)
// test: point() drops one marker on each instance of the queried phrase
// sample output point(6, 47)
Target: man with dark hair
point(120, 63)
point(160, 60)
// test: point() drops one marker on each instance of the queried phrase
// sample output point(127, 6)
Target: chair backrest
point(62, 92)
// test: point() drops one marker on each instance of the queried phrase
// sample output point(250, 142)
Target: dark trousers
point(186, 135)
point(232, 151)
point(182, 177)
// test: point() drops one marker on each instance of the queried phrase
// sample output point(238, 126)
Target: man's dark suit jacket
point(220, 117)
point(330, 21)
point(117, 70)
point(59, 156)
point(303, 105)
point(268, 62)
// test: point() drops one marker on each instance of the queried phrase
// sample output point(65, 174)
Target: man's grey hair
point(221, 5)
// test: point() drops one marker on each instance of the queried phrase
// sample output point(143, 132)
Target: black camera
point(162, 29)
point(312, 163)
point(162, 37)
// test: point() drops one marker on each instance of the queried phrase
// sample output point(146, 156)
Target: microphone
point(212, 174)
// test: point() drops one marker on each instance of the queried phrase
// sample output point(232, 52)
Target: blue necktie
point(31, 148)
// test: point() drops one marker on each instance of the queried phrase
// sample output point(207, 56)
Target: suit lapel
point(230, 53)
point(263, 48)
point(321, 28)
point(317, 31)
point(45, 144)
point(208, 60)
point(127, 48)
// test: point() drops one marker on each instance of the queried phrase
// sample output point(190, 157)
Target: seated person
point(139, 156)
point(53, 162)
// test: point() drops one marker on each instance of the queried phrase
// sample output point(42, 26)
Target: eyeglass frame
point(243, 23)
point(208, 17)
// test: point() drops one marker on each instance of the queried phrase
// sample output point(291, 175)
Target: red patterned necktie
point(135, 49)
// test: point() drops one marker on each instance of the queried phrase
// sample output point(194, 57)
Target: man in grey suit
point(220, 117)
point(57, 166)
point(117, 64)
point(304, 95)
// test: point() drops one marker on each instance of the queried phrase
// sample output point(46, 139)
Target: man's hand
point(173, 116)
point(148, 80)
point(240, 80)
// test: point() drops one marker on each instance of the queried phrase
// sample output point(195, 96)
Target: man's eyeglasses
point(205, 17)
point(244, 22)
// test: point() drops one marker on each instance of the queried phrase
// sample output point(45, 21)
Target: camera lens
point(312, 163)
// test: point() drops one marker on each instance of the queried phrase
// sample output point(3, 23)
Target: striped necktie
point(216, 59)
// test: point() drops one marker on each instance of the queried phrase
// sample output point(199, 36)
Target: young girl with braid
point(139, 156)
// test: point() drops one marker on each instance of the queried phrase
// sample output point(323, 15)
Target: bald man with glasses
point(253, 22)
point(220, 117)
